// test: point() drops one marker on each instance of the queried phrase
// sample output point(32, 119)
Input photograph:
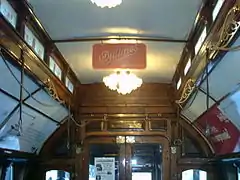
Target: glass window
point(179, 83)
point(57, 175)
point(217, 8)
point(92, 172)
point(194, 174)
point(55, 68)
point(238, 173)
point(32, 41)
point(187, 67)
point(141, 176)
point(69, 84)
point(9, 173)
point(201, 40)
point(203, 75)
point(8, 12)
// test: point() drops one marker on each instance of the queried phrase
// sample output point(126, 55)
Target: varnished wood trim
point(198, 136)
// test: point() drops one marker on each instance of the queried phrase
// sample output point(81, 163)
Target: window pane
point(32, 41)
point(194, 174)
point(141, 176)
point(92, 173)
point(203, 75)
point(9, 173)
point(179, 83)
point(8, 12)
point(57, 175)
point(238, 174)
point(55, 68)
point(201, 40)
point(217, 8)
point(187, 67)
point(69, 85)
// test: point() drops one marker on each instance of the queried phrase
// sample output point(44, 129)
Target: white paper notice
point(105, 168)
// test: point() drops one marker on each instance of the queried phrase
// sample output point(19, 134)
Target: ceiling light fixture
point(123, 82)
point(107, 3)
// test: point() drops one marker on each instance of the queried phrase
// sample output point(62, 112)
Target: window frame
point(187, 66)
point(67, 79)
point(35, 39)
point(217, 8)
point(55, 67)
point(201, 39)
point(179, 83)
point(12, 10)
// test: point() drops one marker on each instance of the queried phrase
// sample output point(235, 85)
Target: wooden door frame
point(164, 141)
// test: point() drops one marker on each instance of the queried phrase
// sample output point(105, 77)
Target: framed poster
point(105, 168)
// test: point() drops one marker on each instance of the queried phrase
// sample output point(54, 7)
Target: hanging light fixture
point(107, 3)
point(123, 82)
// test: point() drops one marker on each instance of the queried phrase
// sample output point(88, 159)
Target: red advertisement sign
point(122, 56)
point(224, 135)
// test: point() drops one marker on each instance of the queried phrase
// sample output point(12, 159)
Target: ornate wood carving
point(12, 42)
point(212, 42)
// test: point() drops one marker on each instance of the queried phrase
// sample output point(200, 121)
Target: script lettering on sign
point(119, 54)
point(222, 117)
point(221, 137)
point(114, 56)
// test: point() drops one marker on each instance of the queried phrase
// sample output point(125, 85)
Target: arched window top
point(194, 174)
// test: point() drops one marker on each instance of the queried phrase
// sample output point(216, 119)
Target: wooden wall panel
point(150, 98)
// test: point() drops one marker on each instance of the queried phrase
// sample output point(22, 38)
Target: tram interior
point(119, 90)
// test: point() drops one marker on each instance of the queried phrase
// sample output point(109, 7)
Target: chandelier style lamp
point(107, 3)
point(123, 82)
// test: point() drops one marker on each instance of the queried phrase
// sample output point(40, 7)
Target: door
point(133, 158)
point(146, 161)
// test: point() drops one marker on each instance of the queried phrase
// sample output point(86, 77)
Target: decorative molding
point(13, 43)
point(51, 89)
point(187, 91)
point(227, 32)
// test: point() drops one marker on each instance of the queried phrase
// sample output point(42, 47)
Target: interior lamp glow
point(107, 3)
point(123, 82)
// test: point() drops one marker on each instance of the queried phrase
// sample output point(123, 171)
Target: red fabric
point(224, 134)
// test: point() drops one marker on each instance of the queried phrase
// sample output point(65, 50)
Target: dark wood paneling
point(126, 110)
point(150, 98)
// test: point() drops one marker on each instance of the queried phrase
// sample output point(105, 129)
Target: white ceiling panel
point(7, 104)
point(231, 108)
point(170, 19)
point(35, 131)
point(225, 77)
point(76, 18)
point(162, 59)
point(46, 104)
point(29, 85)
point(10, 84)
point(196, 106)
